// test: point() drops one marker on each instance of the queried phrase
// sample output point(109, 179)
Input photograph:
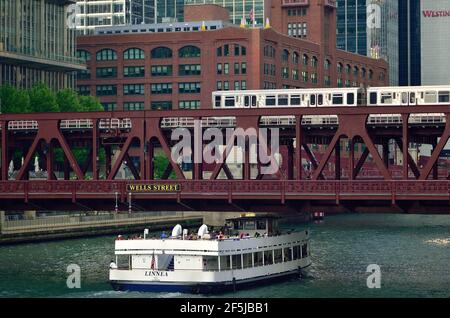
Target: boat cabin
point(252, 224)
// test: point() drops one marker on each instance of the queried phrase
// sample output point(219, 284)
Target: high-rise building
point(250, 10)
point(352, 26)
point(36, 44)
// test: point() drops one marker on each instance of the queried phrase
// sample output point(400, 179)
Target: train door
point(312, 100)
point(250, 101)
point(404, 98)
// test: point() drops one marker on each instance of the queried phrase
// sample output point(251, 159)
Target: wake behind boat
point(250, 250)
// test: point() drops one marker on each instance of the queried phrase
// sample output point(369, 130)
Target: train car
point(324, 97)
point(408, 95)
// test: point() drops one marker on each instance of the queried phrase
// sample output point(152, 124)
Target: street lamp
point(117, 207)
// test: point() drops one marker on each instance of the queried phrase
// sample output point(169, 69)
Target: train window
point(373, 98)
point(319, 99)
point(350, 98)
point(312, 99)
point(412, 98)
point(253, 101)
point(217, 101)
point(444, 96)
point(338, 99)
point(229, 101)
point(246, 101)
point(430, 97)
point(360, 98)
point(282, 100)
point(295, 100)
point(270, 101)
point(404, 97)
point(386, 98)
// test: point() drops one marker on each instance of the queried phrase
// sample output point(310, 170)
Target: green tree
point(160, 164)
point(68, 101)
point(89, 104)
point(13, 100)
point(42, 99)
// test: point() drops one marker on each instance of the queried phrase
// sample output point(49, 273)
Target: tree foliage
point(13, 100)
point(42, 99)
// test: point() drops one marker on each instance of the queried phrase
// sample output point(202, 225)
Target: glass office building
point(238, 9)
point(352, 26)
point(36, 44)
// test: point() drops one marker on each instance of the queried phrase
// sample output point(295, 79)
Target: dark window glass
point(161, 53)
point(189, 51)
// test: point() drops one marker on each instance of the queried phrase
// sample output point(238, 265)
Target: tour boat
point(249, 250)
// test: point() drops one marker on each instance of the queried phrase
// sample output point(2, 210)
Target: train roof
point(288, 90)
point(402, 88)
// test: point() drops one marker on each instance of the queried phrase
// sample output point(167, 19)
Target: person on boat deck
point(257, 234)
point(112, 265)
point(221, 236)
point(163, 235)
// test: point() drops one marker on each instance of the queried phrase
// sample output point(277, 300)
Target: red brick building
point(156, 69)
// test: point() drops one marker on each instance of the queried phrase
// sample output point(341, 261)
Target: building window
point(363, 72)
point(133, 71)
point(226, 68)
point(161, 88)
point(339, 82)
point(134, 54)
point(285, 56)
point(106, 55)
point(226, 85)
point(83, 75)
point(219, 51)
point(314, 62)
point(84, 55)
point(106, 90)
point(161, 105)
point(106, 72)
point(327, 64)
point(133, 106)
point(219, 85)
point(244, 68)
point(84, 90)
point(219, 69)
point(109, 106)
point(285, 72)
point(161, 70)
point(348, 68)
point(370, 74)
point(243, 85)
point(305, 59)
point(189, 88)
point(295, 58)
point(356, 71)
point(347, 83)
point(236, 85)
point(239, 50)
point(295, 75)
point(236, 69)
point(189, 69)
point(305, 77)
point(189, 104)
point(339, 67)
point(327, 81)
point(161, 53)
point(133, 89)
point(226, 50)
point(314, 78)
point(189, 51)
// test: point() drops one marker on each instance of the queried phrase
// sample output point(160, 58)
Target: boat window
point(295, 100)
point(261, 224)
point(412, 98)
point(247, 260)
point(295, 252)
point(253, 101)
point(210, 263)
point(238, 225)
point(373, 98)
point(258, 256)
point(338, 99)
point(312, 99)
point(278, 254)
point(287, 254)
point(282, 100)
point(304, 250)
point(430, 97)
point(249, 225)
point(217, 101)
point(237, 261)
point(268, 257)
point(404, 97)
point(225, 262)
point(444, 96)
point(350, 98)
point(386, 98)
point(270, 100)
point(319, 99)
point(229, 101)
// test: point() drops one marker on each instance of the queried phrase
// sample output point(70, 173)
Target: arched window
point(106, 55)
point(295, 58)
point(161, 53)
point(189, 51)
point(340, 67)
point(370, 74)
point(314, 62)
point(285, 55)
point(348, 68)
point(134, 54)
point(356, 71)
point(84, 55)
point(363, 72)
point(305, 59)
point(327, 64)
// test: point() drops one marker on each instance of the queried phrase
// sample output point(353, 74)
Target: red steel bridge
point(330, 156)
